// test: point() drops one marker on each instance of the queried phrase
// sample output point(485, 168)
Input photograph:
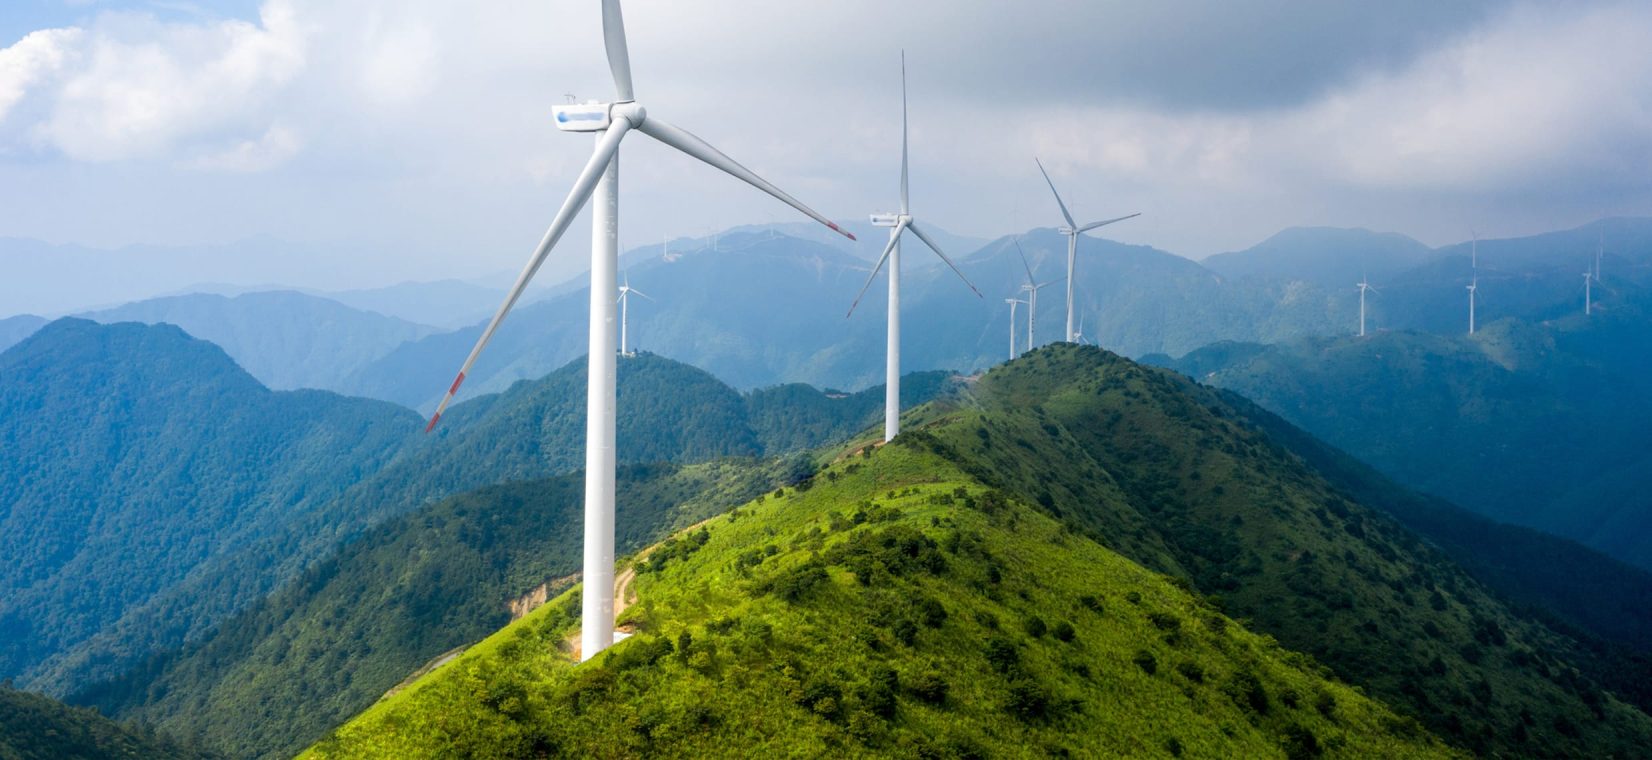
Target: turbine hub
point(885, 220)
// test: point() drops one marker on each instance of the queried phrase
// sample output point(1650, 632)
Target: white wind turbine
point(897, 224)
point(1031, 288)
point(1588, 297)
point(1078, 337)
point(625, 293)
point(1363, 286)
point(1072, 231)
point(610, 122)
point(1013, 302)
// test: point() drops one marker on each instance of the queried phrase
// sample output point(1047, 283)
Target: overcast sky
point(423, 126)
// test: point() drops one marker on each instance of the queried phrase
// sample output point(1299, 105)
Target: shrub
point(1002, 654)
point(929, 686)
point(1146, 661)
point(1034, 626)
point(1028, 701)
point(1064, 631)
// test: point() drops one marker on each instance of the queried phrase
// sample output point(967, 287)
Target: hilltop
point(1123, 467)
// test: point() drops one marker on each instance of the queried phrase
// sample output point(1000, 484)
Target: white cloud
point(144, 87)
point(31, 59)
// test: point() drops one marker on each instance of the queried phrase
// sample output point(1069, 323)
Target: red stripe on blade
point(456, 381)
point(432, 425)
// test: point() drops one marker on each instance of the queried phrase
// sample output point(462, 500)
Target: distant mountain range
point(1541, 425)
point(765, 304)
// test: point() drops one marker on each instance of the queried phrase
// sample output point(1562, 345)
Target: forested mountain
point(34, 727)
point(134, 457)
point(14, 329)
point(286, 339)
point(152, 488)
point(1538, 425)
point(831, 619)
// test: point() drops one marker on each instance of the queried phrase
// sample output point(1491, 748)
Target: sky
point(412, 139)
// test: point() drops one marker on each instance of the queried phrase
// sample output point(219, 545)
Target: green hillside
point(278, 676)
point(1170, 475)
point(891, 607)
point(35, 727)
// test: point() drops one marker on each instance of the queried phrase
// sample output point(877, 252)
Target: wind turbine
point(610, 122)
point(1079, 336)
point(625, 293)
point(897, 224)
point(1072, 231)
point(1363, 286)
point(1588, 302)
point(1031, 289)
point(1013, 302)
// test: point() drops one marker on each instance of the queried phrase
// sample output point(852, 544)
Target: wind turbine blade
point(937, 250)
point(581, 192)
point(619, 57)
point(905, 208)
point(1024, 263)
point(694, 146)
point(1064, 215)
point(640, 293)
point(888, 249)
point(1093, 225)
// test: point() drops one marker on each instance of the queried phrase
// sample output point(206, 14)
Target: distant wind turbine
point(1072, 231)
point(897, 224)
point(1013, 302)
point(625, 293)
point(1031, 288)
point(610, 122)
point(1079, 336)
point(1600, 249)
point(1588, 302)
point(1363, 286)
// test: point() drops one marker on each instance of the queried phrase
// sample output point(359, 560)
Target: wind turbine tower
point(609, 123)
point(1363, 286)
point(1072, 230)
point(625, 293)
point(898, 223)
point(1588, 297)
point(1031, 288)
point(1013, 302)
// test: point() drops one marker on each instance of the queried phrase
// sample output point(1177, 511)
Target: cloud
point(1222, 122)
point(32, 59)
point(142, 88)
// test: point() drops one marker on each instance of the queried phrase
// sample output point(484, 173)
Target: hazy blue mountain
point(1329, 257)
point(14, 329)
point(136, 457)
point(448, 304)
point(1537, 425)
point(285, 339)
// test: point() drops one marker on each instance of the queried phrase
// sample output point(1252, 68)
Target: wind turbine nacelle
point(583, 117)
point(1064, 230)
point(885, 220)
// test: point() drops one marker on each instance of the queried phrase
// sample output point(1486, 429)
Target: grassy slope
point(275, 678)
point(1172, 476)
point(888, 610)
